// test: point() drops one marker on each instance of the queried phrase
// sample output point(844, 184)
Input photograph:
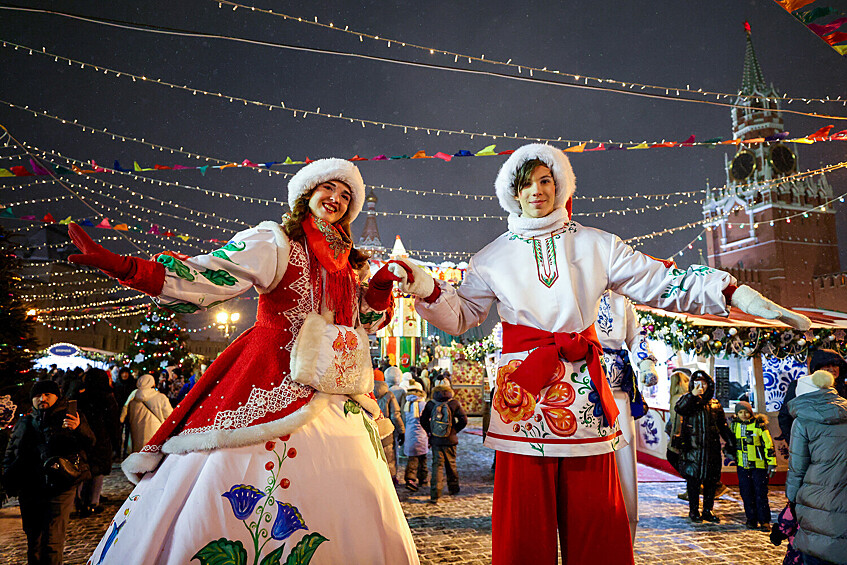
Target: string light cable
point(147, 28)
point(519, 67)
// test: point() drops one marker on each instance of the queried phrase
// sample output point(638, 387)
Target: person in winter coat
point(393, 377)
point(679, 386)
point(442, 419)
point(103, 415)
point(123, 388)
point(703, 426)
point(46, 497)
point(822, 359)
point(391, 410)
point(145, 410)
point(756, 462)
point(817, 470)
point(415, 446)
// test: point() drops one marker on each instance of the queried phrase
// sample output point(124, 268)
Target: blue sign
point(63, 350)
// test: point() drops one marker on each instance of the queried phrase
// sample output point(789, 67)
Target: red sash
point(534, 372)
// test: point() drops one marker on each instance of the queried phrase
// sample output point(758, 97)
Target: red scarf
point(331, 247)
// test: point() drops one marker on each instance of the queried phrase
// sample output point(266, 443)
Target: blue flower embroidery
point(597, 411)
point(288, 520)
point(243, 499)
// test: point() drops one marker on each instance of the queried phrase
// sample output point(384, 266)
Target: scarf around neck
point(331, 247)
point(535, 227)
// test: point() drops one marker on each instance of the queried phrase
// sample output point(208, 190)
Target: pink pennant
point(380, 158)
point(97, 168)
point(600, 147)
point(182, 167)
point(154, 229)
point(104, 224)
point(38, 169)
point(688, 142)
point(444, 156)
point(248, 163)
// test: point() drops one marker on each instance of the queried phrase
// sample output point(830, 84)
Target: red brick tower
point(746, 236)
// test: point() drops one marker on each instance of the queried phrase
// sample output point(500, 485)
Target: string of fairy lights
point(388, 42)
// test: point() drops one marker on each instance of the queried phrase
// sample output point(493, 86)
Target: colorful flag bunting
point(118, 167)
point(48, 218)
point(7, 213)
point(421, 155)
point(444, 156)
point(121, 227)
point(104, 224)
point(87, 223)
point(20, 171)
point(576, 148)
point(66, 221)
point(380, 158)
point(486, 151)
point(38, 169)
point(6, 173)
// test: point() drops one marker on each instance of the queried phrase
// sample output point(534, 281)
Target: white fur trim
point(137, 464)
point(283, 252)
point(537, 227)
point(250, 435)
point(324, 170)
point(559, 165)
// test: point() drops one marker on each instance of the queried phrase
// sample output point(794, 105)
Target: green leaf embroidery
point(175, 265)
point(274, 557)
point(368, 317)
point(219, 277)
point(374, 436)
point(181, 307)
point(222, 552)
point(231, 246)
point(305, 549)
point(350, 406)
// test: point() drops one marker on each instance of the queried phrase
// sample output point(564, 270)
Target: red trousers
point(578, 496)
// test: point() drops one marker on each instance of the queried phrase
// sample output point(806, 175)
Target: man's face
point(538, 198)
point(834, 369)
point(44, 401)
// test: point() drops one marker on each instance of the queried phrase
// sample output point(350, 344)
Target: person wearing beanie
point(249, 444)
point(416, 444)
point(52, 430)
point(817, 470)
point(556, 475)
point(756, 462)
point(622, 338)
point(827, 359)
point(442, 419)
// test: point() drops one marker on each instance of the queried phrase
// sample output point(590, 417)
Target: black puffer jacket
point(38, 436)
point(703, 426)
point(101, 410)
point(443, 393)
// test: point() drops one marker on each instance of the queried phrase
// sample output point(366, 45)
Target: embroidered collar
point(535, 227)
point(329, 244)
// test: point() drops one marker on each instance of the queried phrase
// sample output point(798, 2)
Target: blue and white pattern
point(649, 430)
point(604, 315)
point(778, 374)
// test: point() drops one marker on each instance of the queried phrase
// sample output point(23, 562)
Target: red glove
point(146, 276)
point(379, 290)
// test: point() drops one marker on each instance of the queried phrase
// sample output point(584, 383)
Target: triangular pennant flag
point(87, 223)
point(137, 167)
point(183, 237)
point(713, 140)
point(444, 156)
point(642, 145)
point(66, 221)
point(228, 165)
point(821, 133)
point(48, 218)
point(183, 167)
point(104, 224)
point(357, 158)
point(97, 168)
point(805, 140)
point(165, 167)
point(62, 171)
point(203, 169)
point(663, 144)
point(308, 160)
point(121, 227)
point(576, 148)
point(7, 213)
point(30, 218)
point(688, 142)
point(486, 151)
point(400, 157)
point(136, 229)
point(76, 169)
point(168, 233)
point(289, 161)
point(248, 163)
point(600, 147)
point(463, 153)
point(826, 29)
point(732, 142)
point(509, 152)
point(6, 173)
point(421, 155)
point(380, 158)
point(118, 167)
point(38, 169)
point(840, 135)
point(754, 140)
point(841, 49)
point(777, 136)
point(20, 171)
point(154, 229)
point(269, 164)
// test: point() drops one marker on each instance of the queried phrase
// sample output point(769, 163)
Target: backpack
point(441, 422)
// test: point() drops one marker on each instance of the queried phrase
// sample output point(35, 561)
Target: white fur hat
point(815, 382)
point(552, 157)
point(324, 170)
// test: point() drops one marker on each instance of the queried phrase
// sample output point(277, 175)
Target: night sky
point(666, 43)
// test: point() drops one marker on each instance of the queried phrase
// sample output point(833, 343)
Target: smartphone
point(72, 410)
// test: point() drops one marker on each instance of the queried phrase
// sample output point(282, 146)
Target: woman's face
point(330, 200)
point(538, 198)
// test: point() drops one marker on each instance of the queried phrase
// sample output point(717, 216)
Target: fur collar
point(535, 227)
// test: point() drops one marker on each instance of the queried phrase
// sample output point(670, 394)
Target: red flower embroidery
point(352, 341)
point(512, 403)
point(554, 405)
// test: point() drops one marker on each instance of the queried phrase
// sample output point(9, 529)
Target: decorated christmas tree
point(158, 343)
point(17, 342)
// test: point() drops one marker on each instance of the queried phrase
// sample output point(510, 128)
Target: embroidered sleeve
point(697, 289)
point(458, 310)
point(252, 258)
point(373, 320)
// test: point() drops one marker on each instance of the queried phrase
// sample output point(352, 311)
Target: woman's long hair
point(293, 228)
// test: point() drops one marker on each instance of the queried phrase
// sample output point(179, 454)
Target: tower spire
point(370, 242)
point(752, 79)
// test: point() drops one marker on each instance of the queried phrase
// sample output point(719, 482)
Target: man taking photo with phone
point(44, 462)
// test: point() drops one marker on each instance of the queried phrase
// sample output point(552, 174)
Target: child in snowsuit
point(756, 463)
point(415, 446)
point(443, 418)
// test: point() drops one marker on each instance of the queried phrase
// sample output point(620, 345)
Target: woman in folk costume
point(254, 466)
point(622, 337)
point(556, 422)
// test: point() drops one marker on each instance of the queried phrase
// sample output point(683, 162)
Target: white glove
point(420, 283)
point(753, 303)
point(649, 374)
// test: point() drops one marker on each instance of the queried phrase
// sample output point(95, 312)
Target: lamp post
point(226, 322)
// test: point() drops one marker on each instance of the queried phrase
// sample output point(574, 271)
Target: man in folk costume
point(622, 338)
point(253, 464)
point(556, 423)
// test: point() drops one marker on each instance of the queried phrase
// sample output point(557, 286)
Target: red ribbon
point(534, 372)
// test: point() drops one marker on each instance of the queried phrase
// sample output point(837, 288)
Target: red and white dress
point(252, 464)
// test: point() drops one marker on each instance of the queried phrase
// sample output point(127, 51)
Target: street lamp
point(226, 322)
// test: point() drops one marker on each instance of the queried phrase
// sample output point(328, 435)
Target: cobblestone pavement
point(458, 528)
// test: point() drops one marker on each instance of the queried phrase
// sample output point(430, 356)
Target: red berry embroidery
point(269, 465)
point(270, 445)
point(285, 483)
point(292, 452)
point(286, 437)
